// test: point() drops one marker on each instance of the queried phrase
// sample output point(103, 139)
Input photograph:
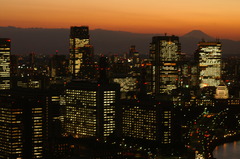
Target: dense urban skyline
point(167, 105)
point(149, 94)
point(218, 18)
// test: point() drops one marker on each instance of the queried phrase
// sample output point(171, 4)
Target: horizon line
point(121, 31)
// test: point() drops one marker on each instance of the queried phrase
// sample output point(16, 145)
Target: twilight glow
point(219, 18)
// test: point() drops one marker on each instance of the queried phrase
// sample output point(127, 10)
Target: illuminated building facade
point(5, 49)
point(11, 134)
point(81, 52)
point(208, 56)
point(222, 92)
point(34, 82)
point(90, 109)
point(127, 84)
point(23, 121)
point(147, 121)
point(88, 69)
point(165, 55)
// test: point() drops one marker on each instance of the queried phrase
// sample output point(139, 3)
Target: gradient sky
point(218, 18)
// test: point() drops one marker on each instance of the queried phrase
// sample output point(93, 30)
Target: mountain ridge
point(197, 34)
point(48, 40)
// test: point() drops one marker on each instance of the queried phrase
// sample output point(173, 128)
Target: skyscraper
point(5, 49)
point(147, 120)
point(23, 120)
point(58, 66)
point(208, 59)
point(90, 109)
point(88, 69)
point(80, 49)
point(91, 106)
point(165, 55)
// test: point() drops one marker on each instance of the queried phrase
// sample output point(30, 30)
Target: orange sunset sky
point(218, 18)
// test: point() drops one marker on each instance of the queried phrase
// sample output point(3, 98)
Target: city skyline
point(89, 105)
point(218, 18)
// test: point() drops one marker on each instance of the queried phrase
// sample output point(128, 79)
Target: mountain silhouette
point(47, 41)
point(197, 34)
point(190, 40)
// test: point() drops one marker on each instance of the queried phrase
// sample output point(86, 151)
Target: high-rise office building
point(165, 55)
point(90, 109)
point(22, 124)
point(208, 58)
point(58, 66)
point(5, 49)
point(91, 106)
point(29, 119)
point(147, 120)
point(88, 69)
point(81, 52)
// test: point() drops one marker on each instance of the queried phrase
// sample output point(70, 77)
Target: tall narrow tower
point(165, 55)
point(208, 58)
point(79, 39)
point(5, 49)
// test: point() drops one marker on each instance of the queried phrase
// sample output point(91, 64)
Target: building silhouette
point(23, 124)
point(91, 106)
point(148, 121)
point(5, 51)
point(90, 109)
point(88, 67)
point(165, 55)
point(58, 66)
point(208, 58)
point(81, 52)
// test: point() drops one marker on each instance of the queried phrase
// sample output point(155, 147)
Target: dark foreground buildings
point(73, 109)
point(148, 122)
point(91, 109)
point(23, 121)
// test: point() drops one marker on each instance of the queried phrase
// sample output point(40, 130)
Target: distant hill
point(109, 42)
point(189, 43)
point(197, 34)
point(42, 41)
point(47, 41)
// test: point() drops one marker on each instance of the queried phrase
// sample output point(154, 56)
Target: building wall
point(165, 55)
point(81, 115)
point(23, 121)
point(79, 37)
point(139, 123)
point(208, 58)
point(147, 121)
point(90, 109)
point(5, 49)
point(11, 130)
